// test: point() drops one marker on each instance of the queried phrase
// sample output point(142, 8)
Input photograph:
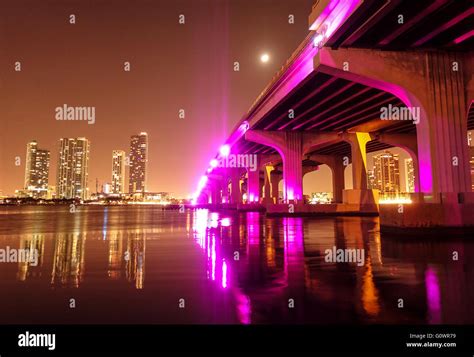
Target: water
point(146, 265)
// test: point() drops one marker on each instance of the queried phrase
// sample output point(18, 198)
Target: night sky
point(173, 67)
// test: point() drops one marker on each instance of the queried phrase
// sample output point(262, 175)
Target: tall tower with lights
point(118, 171)
point(36, 170)
point(73, 168)
point(386, 172)
point(138, 163)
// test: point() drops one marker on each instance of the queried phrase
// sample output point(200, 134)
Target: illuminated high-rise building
point(36, 170)
point(386, 172)
point(370, 179)
point(73, 168)
point(409, 175)
point(118, 171)
point(138, 163)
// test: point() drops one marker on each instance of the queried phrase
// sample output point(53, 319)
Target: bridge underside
point(325, 103)
point(375, 62)
point(427, 24)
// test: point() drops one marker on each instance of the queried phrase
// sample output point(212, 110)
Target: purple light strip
point(464, 37)
point(443, 27)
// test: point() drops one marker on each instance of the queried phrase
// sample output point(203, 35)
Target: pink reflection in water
point(224, 274)
point(294, 250)
point(433, 296)
point(214, 220)
point(213, 257)
point(244, 308)
point(253, 227)
point(203, 227)
point(218, 267)
point(200, 226)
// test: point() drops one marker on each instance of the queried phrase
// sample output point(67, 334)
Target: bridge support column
point(293, 168)
point(225, 190)
point(216, 191)
point(267, 185)
point(359, 194)
point(236, 194)
point(447, 127)
point(290, 147)
point(337, 179)
point(253, 186)
point(261, 188)
point(426, 82)
point(275, 177)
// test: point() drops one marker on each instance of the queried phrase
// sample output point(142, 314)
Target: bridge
point(413, 59)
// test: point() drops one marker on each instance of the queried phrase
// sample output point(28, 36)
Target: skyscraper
point(409, 176)
point(387, 172)
point(73, 168)
point(371, 179)
point(36, 170)
point(138, 163)
point(118, 171)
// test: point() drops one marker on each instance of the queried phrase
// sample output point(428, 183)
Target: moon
point(264, 58)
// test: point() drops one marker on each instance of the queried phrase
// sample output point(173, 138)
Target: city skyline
point(316, 181)
point(322, 182)
point(121, 178)
point(72, 177)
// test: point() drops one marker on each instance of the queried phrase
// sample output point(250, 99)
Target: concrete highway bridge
point(413, 59)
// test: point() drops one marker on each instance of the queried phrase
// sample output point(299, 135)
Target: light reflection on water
point(229, 268)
